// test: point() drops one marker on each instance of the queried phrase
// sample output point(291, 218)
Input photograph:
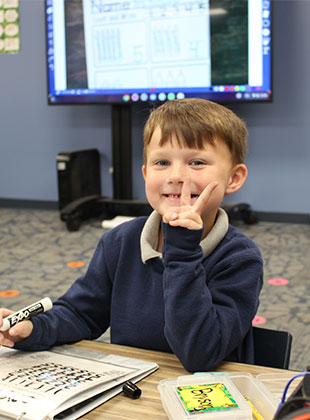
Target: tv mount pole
point(121, 151)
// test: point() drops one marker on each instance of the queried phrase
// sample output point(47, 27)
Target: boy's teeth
point(178, 195)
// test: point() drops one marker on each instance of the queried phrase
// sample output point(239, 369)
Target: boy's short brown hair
point(195, 121)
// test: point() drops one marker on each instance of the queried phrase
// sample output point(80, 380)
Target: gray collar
point(149, 235)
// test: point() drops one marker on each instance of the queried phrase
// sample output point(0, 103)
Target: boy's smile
point(176, 197)
point(169, 165)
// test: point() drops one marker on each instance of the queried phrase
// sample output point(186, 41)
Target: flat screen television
point(117, 51)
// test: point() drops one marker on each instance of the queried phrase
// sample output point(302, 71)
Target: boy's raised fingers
point(204, 196)
point(186, 192)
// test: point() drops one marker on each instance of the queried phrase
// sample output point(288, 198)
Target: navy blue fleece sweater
point(199, 308)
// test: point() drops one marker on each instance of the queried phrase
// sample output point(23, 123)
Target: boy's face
point(169, 165)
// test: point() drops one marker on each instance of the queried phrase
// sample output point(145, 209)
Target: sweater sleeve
point(209, 307)
point(83, 312)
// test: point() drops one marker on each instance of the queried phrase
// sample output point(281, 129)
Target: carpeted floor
point(39, 257)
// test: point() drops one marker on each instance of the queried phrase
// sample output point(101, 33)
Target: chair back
point(272, 348)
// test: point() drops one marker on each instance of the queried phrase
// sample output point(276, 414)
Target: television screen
point(105, 51)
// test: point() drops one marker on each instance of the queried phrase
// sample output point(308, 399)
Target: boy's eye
point(162, 163)
point(197, 162)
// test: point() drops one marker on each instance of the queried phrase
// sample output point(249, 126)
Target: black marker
point(26, 313)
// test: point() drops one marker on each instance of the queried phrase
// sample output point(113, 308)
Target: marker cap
point(46, 303)
point(131, 390)
point(5, 325)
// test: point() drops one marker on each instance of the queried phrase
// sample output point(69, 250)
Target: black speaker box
point(78, 175)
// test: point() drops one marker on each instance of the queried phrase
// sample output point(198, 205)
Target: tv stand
point(95, 206)
point(121, 151)
point(122, 203)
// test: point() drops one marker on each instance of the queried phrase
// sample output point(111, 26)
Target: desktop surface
point(149, 405)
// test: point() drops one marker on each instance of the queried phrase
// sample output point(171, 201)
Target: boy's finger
point(21, 329)
point(4, 313)
point(4, 341)
point(167, 217)
point(204, 196)
point(186, 223)
point(186, 192)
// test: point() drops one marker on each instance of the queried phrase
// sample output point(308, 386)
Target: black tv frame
point(232, 85)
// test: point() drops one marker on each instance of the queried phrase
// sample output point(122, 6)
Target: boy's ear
point(239, 174)
point(144, 171)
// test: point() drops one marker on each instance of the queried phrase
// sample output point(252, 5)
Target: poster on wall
point(9, 26)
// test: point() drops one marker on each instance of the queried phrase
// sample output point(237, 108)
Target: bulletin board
point(9, 26)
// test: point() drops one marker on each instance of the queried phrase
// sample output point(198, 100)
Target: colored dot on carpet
point(75, 264)
point(9, 293)
point(278, 281)
point(259, 320)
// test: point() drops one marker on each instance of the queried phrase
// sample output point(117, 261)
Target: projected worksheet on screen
point(141, 43)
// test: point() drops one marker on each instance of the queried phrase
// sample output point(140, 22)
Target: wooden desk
point(149, 404)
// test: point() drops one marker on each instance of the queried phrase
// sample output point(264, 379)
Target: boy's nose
point(177, 174)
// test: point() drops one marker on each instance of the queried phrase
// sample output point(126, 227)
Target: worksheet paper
point(40, 385)
point(140, 43)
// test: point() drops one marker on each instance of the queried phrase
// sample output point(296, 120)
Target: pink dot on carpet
point(259, 320)
point(278, 281)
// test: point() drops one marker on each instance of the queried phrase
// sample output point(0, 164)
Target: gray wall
point(33, 133)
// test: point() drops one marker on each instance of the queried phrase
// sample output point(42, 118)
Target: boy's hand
point(18, 332)
point(188, 215)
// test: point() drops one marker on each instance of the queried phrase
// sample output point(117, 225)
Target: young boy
point(183, 279)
